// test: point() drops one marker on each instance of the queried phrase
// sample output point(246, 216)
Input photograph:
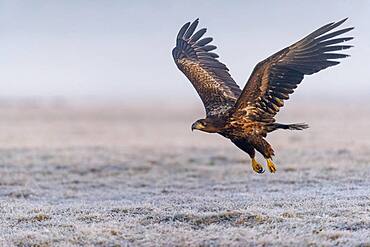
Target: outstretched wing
point(210, 77)
point(276, 77)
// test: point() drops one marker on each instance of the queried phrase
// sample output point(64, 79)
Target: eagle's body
point(245, 117)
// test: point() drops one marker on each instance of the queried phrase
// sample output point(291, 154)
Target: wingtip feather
point(341, 21)
point(183, 30)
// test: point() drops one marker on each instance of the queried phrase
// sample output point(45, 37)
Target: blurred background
point(121, 50)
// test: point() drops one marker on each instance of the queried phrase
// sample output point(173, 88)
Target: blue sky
point(122, 49)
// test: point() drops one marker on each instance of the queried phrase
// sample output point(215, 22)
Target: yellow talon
point(257, 167)
point(271, 166)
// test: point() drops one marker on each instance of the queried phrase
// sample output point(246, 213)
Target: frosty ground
point(114, 174)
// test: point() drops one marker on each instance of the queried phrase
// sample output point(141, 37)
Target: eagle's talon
point(257, 167)
point(271, 166)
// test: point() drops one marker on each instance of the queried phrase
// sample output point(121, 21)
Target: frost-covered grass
point(79, 175)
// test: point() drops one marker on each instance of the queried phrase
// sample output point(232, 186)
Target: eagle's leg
point(265, 149)
point(248, 148)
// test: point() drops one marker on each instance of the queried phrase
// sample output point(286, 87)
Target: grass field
point(109, 174)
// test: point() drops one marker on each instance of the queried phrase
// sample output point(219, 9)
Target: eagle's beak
point(196, 126)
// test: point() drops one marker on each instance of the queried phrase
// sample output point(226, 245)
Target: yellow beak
point(196, 126)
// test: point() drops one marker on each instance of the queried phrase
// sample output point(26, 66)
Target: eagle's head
point(206, 125)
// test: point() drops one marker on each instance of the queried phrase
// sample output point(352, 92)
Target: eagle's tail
point(297, 126)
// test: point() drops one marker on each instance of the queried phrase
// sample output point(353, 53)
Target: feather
point(335, 48)
point(204, 41)
point(335, 41)
point(208, 47)
point(191, 29)
point(333, 34)
point(198, 35)
point(183, 30)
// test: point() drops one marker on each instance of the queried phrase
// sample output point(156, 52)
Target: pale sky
point(122, 49)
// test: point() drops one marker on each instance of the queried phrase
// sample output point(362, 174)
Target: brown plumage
point(245, 117)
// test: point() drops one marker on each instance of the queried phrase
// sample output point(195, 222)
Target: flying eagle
point(245, 117)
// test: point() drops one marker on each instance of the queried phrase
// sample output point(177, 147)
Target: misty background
point(121, 50)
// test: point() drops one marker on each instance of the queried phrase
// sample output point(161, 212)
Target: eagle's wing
point(276, 77)
point(210, 77)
